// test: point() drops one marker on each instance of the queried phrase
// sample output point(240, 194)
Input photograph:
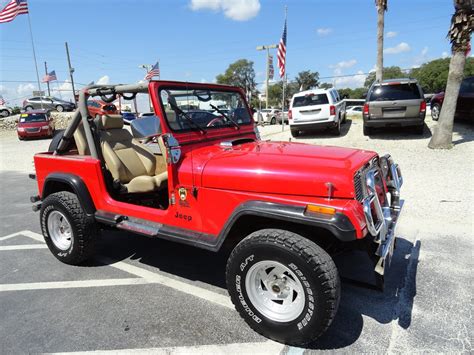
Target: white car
point(270, 115)
point(354, 110)
point(5, 111)
point(315, 109)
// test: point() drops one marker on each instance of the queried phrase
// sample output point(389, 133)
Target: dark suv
point(394, 103)
point(465, 104)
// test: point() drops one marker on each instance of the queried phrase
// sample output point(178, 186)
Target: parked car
point(5, 111)
point(283, 209)
point(270, 115)
point(395, 103)
point(316, 109)
point(35, 124)
point(128, 117)
point(354, 111)
point(282, 115)
point(465, 104)
point(48, 103)
point(98, 108)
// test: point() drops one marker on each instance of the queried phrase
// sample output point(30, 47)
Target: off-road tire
point(295, 133)
point(313, 267)
point(60, 108)
point(367, 130)
point(84, 229)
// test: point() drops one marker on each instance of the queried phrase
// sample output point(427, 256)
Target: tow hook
point(36, 208)
point(34, 199)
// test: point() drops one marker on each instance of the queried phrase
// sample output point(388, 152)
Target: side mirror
point(173, 148)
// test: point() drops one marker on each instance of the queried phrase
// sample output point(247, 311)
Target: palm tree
point(381, 8)
point(462, 23)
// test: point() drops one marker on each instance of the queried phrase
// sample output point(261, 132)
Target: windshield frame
point(206, 87)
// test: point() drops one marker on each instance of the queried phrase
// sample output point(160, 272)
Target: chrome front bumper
point(381, 218)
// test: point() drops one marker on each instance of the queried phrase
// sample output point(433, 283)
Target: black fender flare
point(339, 225)
point(76, 184)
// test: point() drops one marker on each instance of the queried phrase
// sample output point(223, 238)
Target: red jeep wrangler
point(198, 173)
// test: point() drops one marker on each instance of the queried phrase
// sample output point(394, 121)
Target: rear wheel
point(67, 230)
point(367, 131)
point(420, 129)
point(284, 286)
point(337, 130)
point(295, 133)
point(344, 117)
point(435, 110)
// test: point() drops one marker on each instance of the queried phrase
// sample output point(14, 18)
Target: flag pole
point(284, 79)
point(34, 52)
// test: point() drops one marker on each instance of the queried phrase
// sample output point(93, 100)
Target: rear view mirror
point(144, 127)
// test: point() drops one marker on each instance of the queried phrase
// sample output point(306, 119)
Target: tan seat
point(129, 162)
point(80, 139)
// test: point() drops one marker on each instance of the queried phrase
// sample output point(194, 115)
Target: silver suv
point(394, 103)
point(47, 103)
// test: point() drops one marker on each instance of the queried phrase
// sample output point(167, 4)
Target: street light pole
point(267, 48)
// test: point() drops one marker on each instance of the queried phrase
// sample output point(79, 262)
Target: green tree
point(307, 79)
point(388, 73)
point(275, 93)
point(240, 73)
point(325, 85)
point(459, 34)
point(433, 75)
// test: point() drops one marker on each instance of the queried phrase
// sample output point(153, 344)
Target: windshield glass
point(202, 109)
point(310, 100)
point(395, 92)
point(33, 117)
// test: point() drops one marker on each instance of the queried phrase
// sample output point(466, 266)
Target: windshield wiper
point(225, 116)
point(185, 115)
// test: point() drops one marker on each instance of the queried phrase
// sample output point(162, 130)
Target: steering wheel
point(214, 121)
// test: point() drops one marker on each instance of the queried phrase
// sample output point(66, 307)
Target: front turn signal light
point(320, 209)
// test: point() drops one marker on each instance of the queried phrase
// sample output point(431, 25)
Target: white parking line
point(23, 247)
point(267, 347)
point(71, 284)
point(184, 287)
point(26, 233)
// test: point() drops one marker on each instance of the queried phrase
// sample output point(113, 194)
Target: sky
point(195, 40)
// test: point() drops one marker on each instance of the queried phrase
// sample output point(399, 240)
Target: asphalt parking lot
point(153, 296)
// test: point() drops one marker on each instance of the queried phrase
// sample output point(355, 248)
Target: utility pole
point(262, 48)
point(46, 72)
point(71, 71)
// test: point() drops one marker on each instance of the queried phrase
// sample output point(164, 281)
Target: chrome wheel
point(59, 230)
point(435, 112)
point(275, 291)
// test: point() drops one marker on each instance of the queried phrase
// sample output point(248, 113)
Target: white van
point(315, 109)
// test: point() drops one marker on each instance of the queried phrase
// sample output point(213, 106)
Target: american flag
point(51, 76)
point(2, 100)
point(282, 52)
point(12, 9)
point(155, 71)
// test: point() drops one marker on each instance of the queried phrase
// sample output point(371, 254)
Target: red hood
point(280, 168)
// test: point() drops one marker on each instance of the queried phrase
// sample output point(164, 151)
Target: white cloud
point(25, 89)
point(238, 10)
point(64, 90)
point(354, 81)
point(391, 34)
point(345, 64)
point(444, 55)
point(104, 80)
point(399, 48)
point(323, 31)
point(421, 58)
